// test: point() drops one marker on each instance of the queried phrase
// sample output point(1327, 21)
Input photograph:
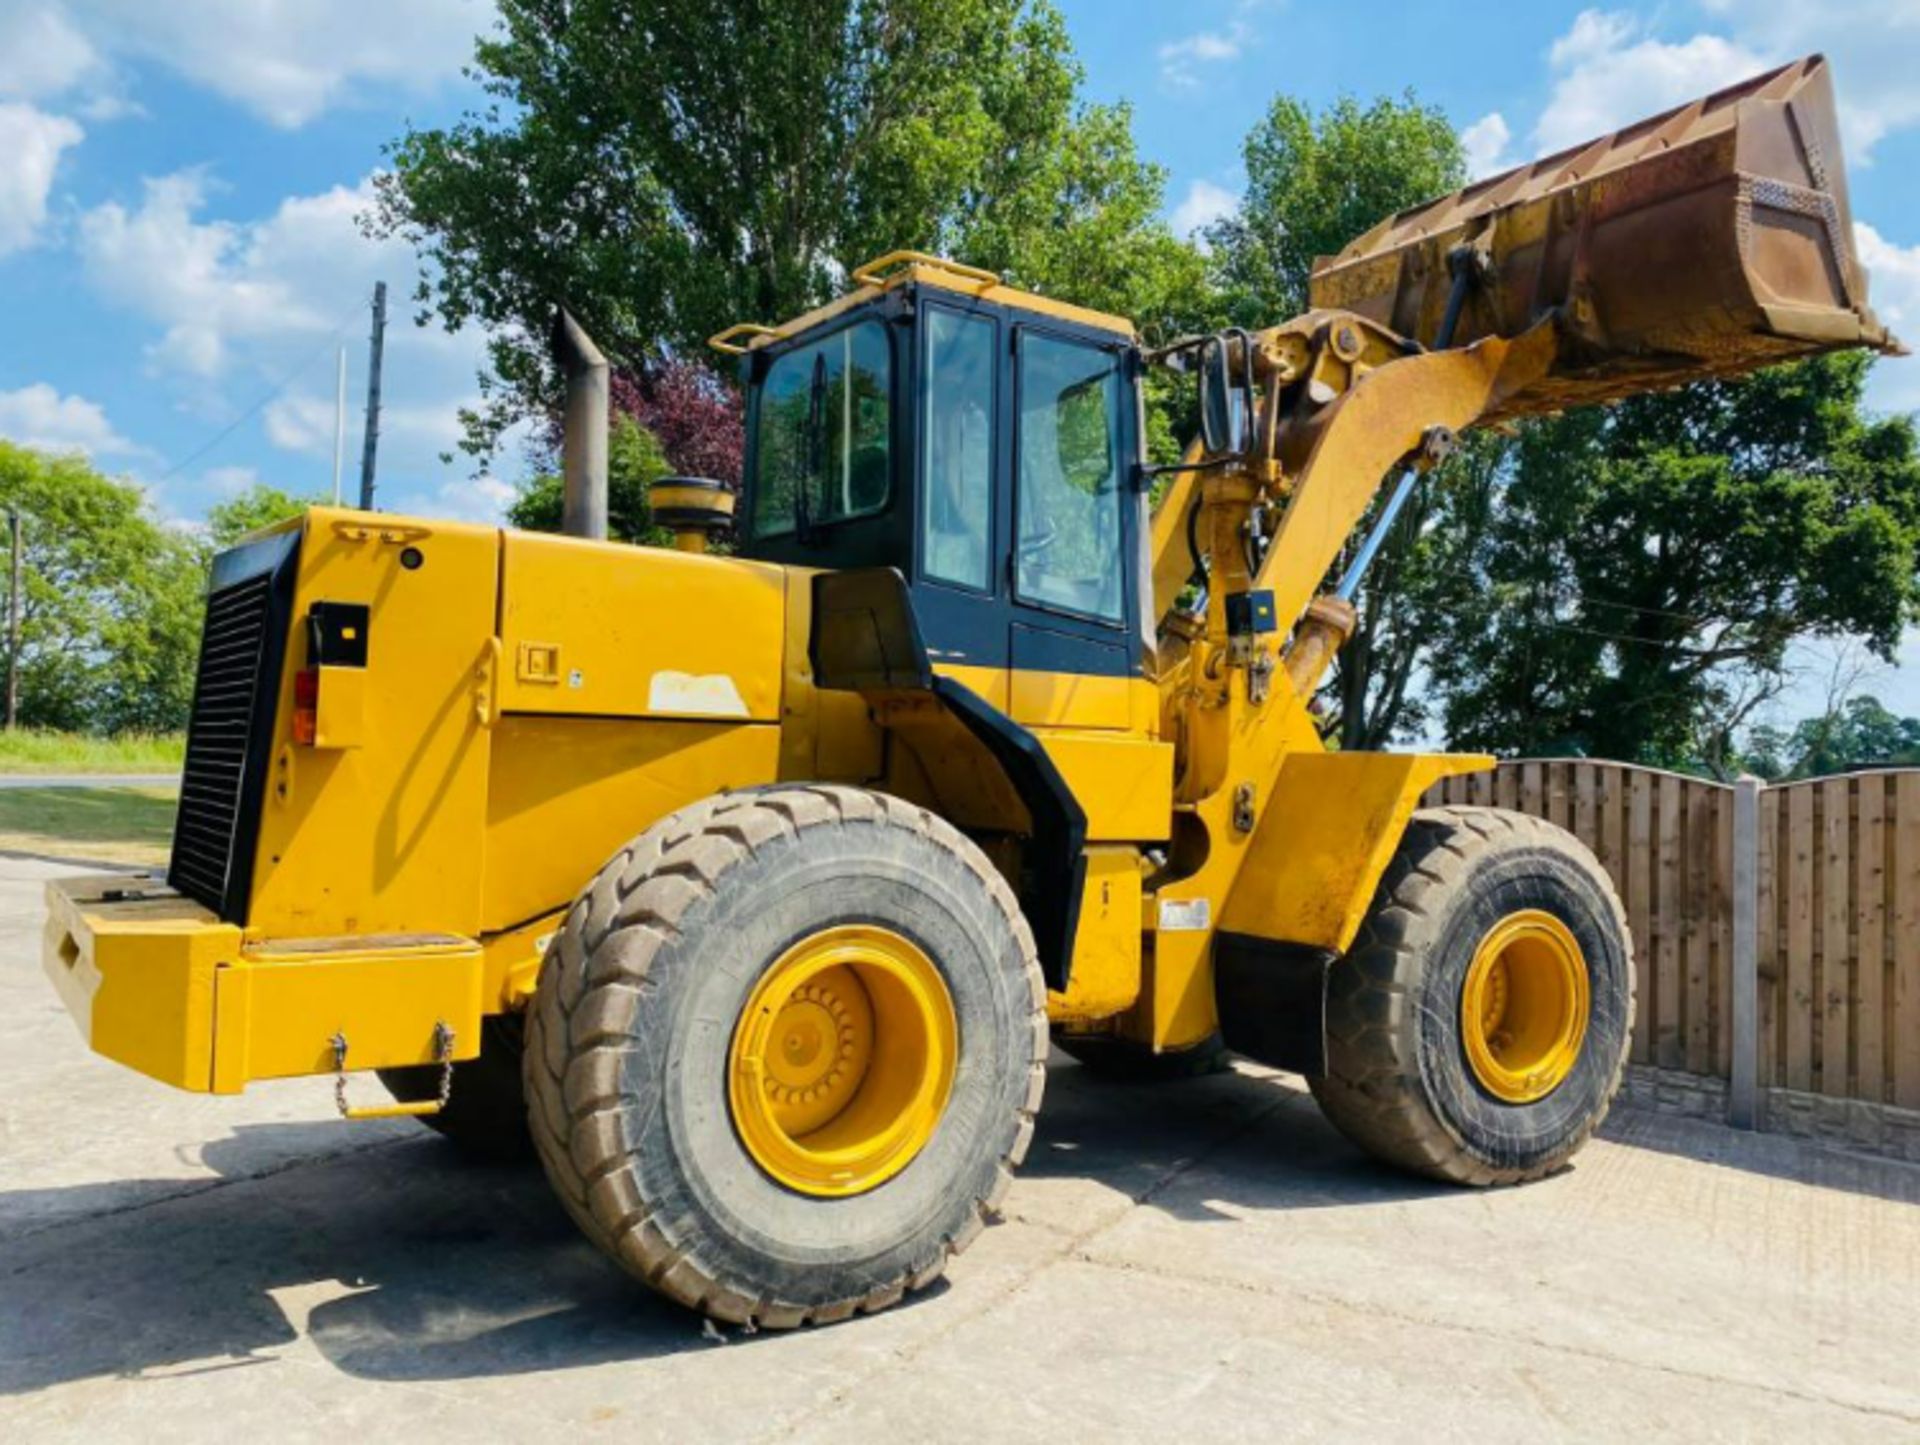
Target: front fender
point(1325, 837)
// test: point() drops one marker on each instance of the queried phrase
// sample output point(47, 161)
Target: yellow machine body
point(469, 721)
point(506, 736)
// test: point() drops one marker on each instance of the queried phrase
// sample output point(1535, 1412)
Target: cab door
point(1072, 652)
point(1027, 556)
point(962, 532)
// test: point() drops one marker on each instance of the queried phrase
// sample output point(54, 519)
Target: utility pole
point(339, 423)
point(13, 625)
point(376, 345)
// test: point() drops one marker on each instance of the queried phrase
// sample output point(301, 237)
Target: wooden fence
point(1823, 877)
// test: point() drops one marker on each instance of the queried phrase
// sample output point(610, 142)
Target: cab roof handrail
point(723, 340)
point(874, 273)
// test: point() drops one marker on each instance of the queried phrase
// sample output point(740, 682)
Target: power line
point(279, 387)
point(1680, 648)
point(1648, 611)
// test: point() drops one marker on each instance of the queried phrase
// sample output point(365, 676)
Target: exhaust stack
point(583, 446)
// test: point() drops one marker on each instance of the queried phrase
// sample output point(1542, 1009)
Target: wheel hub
point(842, 1061)
point(1524, 1007)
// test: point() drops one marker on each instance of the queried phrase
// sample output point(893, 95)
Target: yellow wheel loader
point(751, 889)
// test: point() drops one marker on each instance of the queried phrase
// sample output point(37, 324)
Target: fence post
point(1743, 1088)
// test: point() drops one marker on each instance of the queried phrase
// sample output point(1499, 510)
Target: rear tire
point(634, 1051)
point(486, 1113)
point(1401, 1079)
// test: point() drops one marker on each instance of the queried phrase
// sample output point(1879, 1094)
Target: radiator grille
point(229, 732)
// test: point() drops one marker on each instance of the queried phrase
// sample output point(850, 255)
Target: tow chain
point(443, 1040)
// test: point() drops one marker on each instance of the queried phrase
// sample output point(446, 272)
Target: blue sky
point(179, 259)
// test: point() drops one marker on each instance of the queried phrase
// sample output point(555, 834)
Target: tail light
point(334, 679)
point(306, 705)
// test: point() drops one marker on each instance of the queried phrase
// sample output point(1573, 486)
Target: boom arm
point(1700, 243)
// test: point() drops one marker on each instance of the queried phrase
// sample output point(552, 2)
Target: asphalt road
point(1207, 1261)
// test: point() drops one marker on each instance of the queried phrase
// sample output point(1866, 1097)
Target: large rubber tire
point(638, 1000)
point(486, 1113)
point(1125, 1062)
point(1398, 1082)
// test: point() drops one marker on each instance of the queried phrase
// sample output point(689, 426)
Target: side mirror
point(1222, 410)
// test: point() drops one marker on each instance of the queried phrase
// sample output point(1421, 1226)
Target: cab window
point(1067, 510)
point(822, 442)
point(956, 401)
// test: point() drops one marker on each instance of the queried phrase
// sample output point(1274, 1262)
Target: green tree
point(111, 599)
point(1314, 182)
point(1768, 752)
point(669, 169)
point(634, 461)
point(1643, 568)
point(1862, 732)
point(259, 506)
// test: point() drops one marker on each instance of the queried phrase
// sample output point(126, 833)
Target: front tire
point(1478, 1028)
point(681, 1052)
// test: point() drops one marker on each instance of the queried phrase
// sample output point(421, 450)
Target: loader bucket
point(1703, 242)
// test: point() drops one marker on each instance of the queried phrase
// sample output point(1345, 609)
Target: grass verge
point(107, 825)
point(41, 750)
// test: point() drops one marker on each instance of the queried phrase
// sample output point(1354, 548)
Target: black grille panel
point(228, 736)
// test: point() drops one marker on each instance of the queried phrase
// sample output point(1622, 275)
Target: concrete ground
point(1205, 1261)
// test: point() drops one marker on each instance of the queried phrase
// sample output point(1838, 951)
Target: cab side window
point(956, 400)
point(823, 432)
point(1067, 510)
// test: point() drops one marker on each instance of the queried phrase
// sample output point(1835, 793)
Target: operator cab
point(983, 441)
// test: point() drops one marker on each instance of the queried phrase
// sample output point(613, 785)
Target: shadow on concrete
point(1778, 1156)
point(403, 1260)
point(251, 1154)
point(407, 1261)
point(1140, 1138)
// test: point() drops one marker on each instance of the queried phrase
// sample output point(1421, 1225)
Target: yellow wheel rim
point(1523, 1009)
point(842, 1061)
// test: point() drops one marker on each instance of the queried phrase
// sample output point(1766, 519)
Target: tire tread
point(596, 972)
point(1370, 1090)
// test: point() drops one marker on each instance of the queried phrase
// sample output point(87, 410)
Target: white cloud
point(40, 417)
point(231, 481)
point(262, 292)
point(301, 423)
point(285, 60)
point(1609, 72)
point(483, 499)
point(43, 54)
point(1204, 204)
point(1594, 32)
point(1874, 46)
point(1182, 59)
point(250, 313)
point(289, 60)
point(1485, 142)
point(31, 142)
point(1894, 291)
point(201, 279)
